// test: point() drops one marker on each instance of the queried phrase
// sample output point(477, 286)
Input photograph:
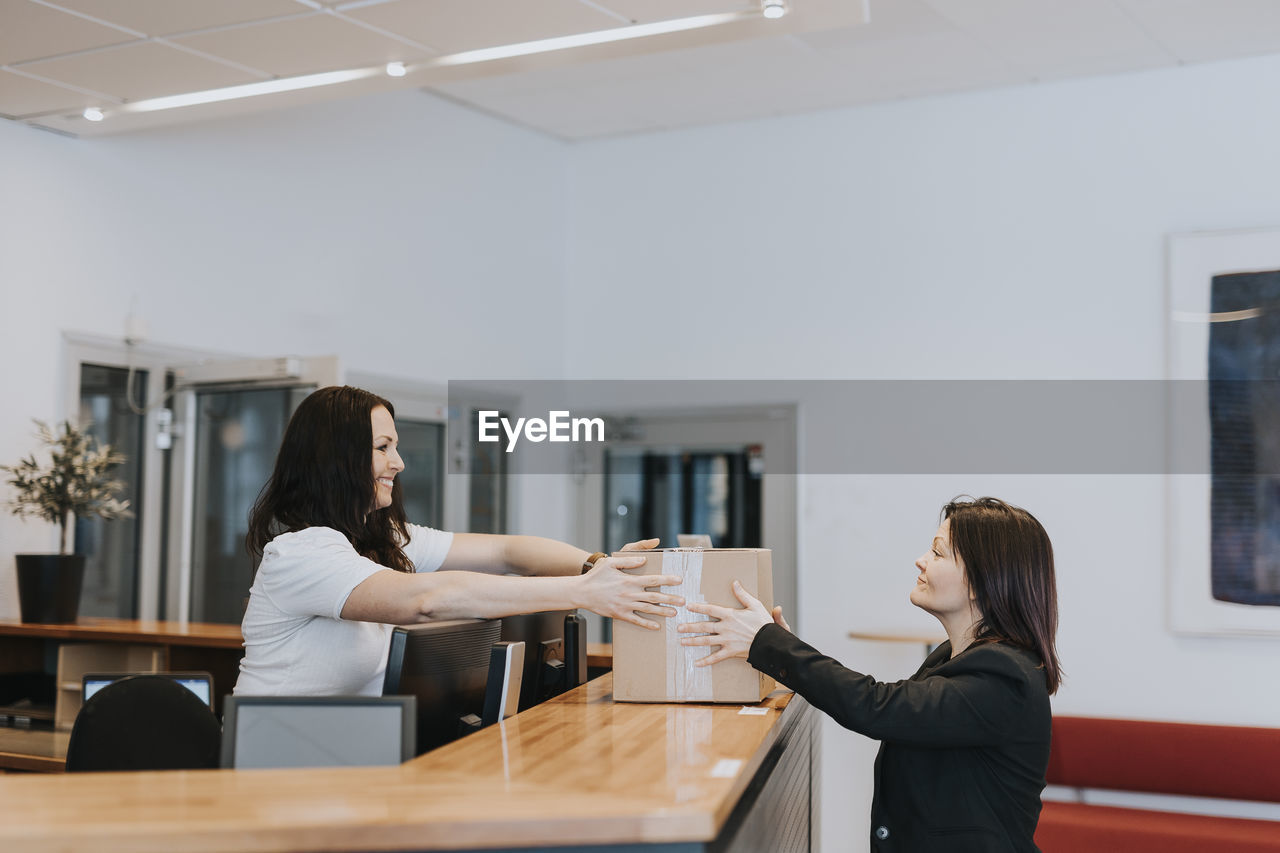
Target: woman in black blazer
point(965, 741)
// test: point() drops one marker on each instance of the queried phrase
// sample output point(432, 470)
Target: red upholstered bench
point(1224, 762)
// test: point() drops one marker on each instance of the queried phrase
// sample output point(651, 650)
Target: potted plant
point(77, 481)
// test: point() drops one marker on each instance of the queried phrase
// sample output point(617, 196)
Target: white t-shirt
point(295, 641)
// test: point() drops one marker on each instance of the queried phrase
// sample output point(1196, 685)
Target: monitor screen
point(317, 731)
point(445, 666)
point(543, 635)
point(199, 683)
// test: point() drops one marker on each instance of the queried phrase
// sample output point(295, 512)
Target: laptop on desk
point(199, 683)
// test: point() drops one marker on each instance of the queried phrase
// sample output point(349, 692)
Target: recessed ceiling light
point(395, 69)
point(93, 114)
point(773, 8)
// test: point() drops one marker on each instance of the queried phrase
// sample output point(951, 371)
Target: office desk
point(177, 646)
point(33, 749)
point(577, 771)
point(173, 634)
point(600, 655)
point(212, 648)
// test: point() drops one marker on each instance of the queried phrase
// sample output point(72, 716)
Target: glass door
point(238, 431)
point(230, 417)
point(670, 492)
point(111, 549)
point(422, 481)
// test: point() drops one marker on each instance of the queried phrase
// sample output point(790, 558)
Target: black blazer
point(965, 742)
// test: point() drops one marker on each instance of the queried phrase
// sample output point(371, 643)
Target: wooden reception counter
point(578, 771)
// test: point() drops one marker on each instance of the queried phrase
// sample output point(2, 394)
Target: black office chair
point(144, 722)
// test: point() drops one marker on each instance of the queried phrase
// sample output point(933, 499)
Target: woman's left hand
point(642, 545)
point(734, 629)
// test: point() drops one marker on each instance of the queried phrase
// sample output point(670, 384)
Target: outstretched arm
point(402, 598)
point(975, 704)
point(978, 701)
point(522, 555)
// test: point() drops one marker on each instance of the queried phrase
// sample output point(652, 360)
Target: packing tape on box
point(685, 681)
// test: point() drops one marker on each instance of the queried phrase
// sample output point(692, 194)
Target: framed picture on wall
point(1224, 433)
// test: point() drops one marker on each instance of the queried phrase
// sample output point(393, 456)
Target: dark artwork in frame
point(1244, 414)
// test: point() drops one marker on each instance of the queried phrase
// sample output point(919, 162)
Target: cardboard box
point(652, 666)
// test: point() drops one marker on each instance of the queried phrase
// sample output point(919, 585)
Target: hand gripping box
point(652, 666)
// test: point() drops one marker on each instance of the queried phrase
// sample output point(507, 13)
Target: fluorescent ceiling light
point(632, 31)
point(248, 90)
point(399, 69)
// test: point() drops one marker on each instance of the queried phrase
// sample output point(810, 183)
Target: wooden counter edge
point(659, 827)
point(160, 632)
point(36, 763)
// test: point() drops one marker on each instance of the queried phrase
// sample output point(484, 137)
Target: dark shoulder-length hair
point(323, 477)
point(1008, 561)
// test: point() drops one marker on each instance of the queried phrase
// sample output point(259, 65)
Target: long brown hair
point(323, 477)
point(1008, 561)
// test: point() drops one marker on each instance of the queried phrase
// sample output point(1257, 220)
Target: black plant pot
point(49, 586)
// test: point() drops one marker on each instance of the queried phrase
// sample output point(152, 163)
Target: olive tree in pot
point(77, 481)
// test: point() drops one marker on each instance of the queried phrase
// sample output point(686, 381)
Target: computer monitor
point(199, 683)
point(317, 731)
point(445, 665)
point(546, 637)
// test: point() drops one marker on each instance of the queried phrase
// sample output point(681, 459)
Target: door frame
point(221, 374)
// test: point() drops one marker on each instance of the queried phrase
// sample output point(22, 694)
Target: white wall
point(1010, 234)
point(409, 236)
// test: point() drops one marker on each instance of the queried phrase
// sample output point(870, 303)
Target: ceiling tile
point(1055, 37)
point(31, 31)
point(319, 42)
point(165, 17)
point(733, 81)
point(889, 22)
point(1201, 30)
point(451, 27)
point(912, 60)
point(647, 11)
point(646, 92)
point(137, 71)
point(21, 96)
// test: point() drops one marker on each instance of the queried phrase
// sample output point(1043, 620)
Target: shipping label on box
point(652, 666)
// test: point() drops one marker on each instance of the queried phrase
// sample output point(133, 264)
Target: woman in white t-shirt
point(340, 564)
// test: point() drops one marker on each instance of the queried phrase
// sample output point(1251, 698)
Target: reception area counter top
point(577, 770)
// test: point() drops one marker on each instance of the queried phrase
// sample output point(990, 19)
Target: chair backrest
point(144, 722)
point(318, 731)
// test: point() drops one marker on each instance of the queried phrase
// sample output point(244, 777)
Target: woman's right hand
point(610, 592)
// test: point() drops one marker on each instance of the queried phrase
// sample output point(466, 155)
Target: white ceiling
point(59, 56)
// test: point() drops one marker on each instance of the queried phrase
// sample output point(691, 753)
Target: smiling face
point(386, 458)
point(941, 588)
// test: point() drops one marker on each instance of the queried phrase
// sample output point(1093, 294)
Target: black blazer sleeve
point(974, 699)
